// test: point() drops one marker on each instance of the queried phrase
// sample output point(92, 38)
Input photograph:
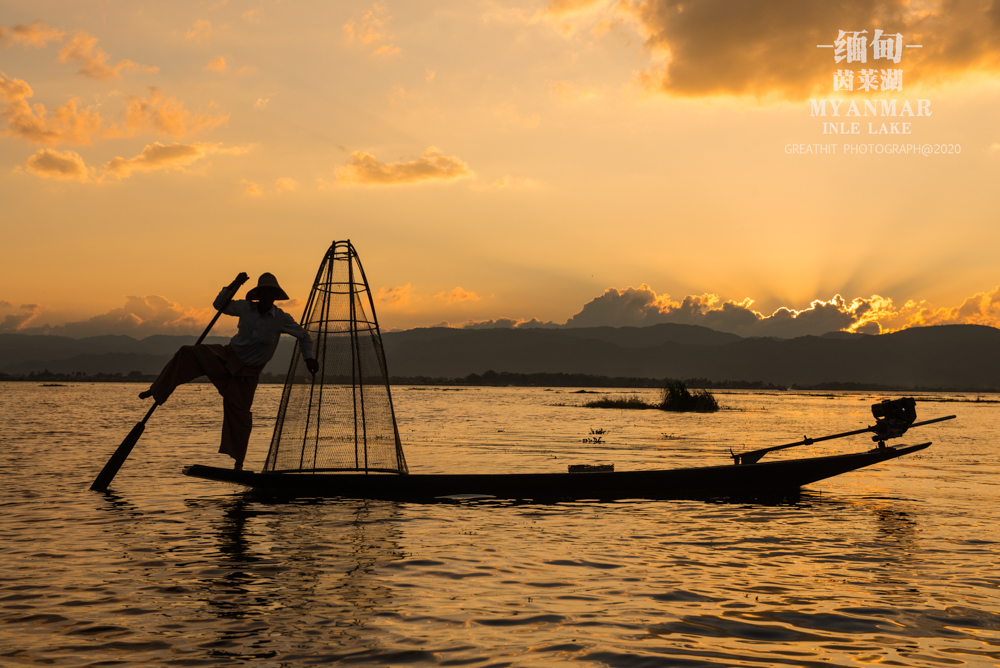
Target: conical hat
point(267, 281)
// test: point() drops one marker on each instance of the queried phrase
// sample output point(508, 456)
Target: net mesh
point(341, 419)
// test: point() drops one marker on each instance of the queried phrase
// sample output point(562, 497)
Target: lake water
point(896, 564)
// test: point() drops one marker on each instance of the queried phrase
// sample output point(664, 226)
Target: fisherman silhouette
point(235, 368)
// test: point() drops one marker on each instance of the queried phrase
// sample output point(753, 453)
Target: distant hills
point(950, 356)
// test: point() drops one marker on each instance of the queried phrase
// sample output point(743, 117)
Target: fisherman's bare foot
point(239, 467)
point(146, 394)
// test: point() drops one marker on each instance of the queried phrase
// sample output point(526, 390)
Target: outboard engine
point(892, 418)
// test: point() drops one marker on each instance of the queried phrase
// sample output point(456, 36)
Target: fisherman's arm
point(289, 326)
point(224, 301)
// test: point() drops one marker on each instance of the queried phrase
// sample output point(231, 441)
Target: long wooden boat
point(767, 479)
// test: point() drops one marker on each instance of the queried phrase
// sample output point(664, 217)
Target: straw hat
point(267, 281)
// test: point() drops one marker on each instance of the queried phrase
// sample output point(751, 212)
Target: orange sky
point(577, 159)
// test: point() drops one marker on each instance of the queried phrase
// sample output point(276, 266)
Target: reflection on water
point(896, 564)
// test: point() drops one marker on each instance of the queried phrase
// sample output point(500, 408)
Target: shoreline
point(491, 379)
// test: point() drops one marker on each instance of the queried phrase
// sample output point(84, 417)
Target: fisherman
point(235, 367)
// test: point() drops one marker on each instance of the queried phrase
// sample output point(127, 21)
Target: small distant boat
point(336, 436)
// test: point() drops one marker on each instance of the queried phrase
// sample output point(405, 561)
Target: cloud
point(36, 34)
point(218, 65)
point(48, 163)
point(66, 124)
point(768, 47)
point(557, 7)
point(566, 16)
point(82, 48)
point(505, 323)
point(401, 295)
point(499, 323)
point(370, 30)
point(251, 15)
point(370, 27)
point(141, 317)
point(200, 32)
point(641, 307)
point(5, 304)
point(67, 166)
point(983, 308)
point(457, 295)
point(164, 115)
point(386, 50)
point(16, 322)
point(429, 77)
point(175, 156)
point(71, 124)
point(261, 102)
point(281, 185)
point(252, 189)
point(365, 169)
point(285, 184)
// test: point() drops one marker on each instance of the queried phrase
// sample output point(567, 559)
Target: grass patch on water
point(630, 401)
point(676, 398)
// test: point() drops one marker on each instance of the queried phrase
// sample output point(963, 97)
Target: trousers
point(235, 381)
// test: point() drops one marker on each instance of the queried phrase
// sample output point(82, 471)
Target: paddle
point(110, 469)
point(754, 456)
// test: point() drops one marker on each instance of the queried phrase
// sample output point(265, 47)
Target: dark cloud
point(17, 322)
point(641, 307)
point(499, 323)
point(139, 317)
point(632, 307)
point(509, 323)
point(768, 47)
point(535, 323)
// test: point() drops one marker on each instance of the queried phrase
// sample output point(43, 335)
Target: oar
point(754, 456)
point(110, 469)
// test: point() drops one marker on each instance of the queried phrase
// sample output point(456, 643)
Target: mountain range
point(947, 356)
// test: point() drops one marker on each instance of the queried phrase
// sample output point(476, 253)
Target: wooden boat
point(335, 433)
point(769, 479)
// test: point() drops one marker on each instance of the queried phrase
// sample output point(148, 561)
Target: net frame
point(370, 410)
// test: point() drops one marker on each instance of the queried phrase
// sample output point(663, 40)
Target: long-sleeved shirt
point(258, 335)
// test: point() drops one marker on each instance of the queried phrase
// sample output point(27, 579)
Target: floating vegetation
point(631, 401)
point(594, 440)
point(959, 400)
point(598, 431)
point(676, 397)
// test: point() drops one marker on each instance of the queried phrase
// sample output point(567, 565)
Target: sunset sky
point(586, 161)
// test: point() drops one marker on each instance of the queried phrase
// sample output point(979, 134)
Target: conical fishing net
point(341, 419)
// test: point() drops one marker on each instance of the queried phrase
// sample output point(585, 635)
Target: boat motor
point(892, 418)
